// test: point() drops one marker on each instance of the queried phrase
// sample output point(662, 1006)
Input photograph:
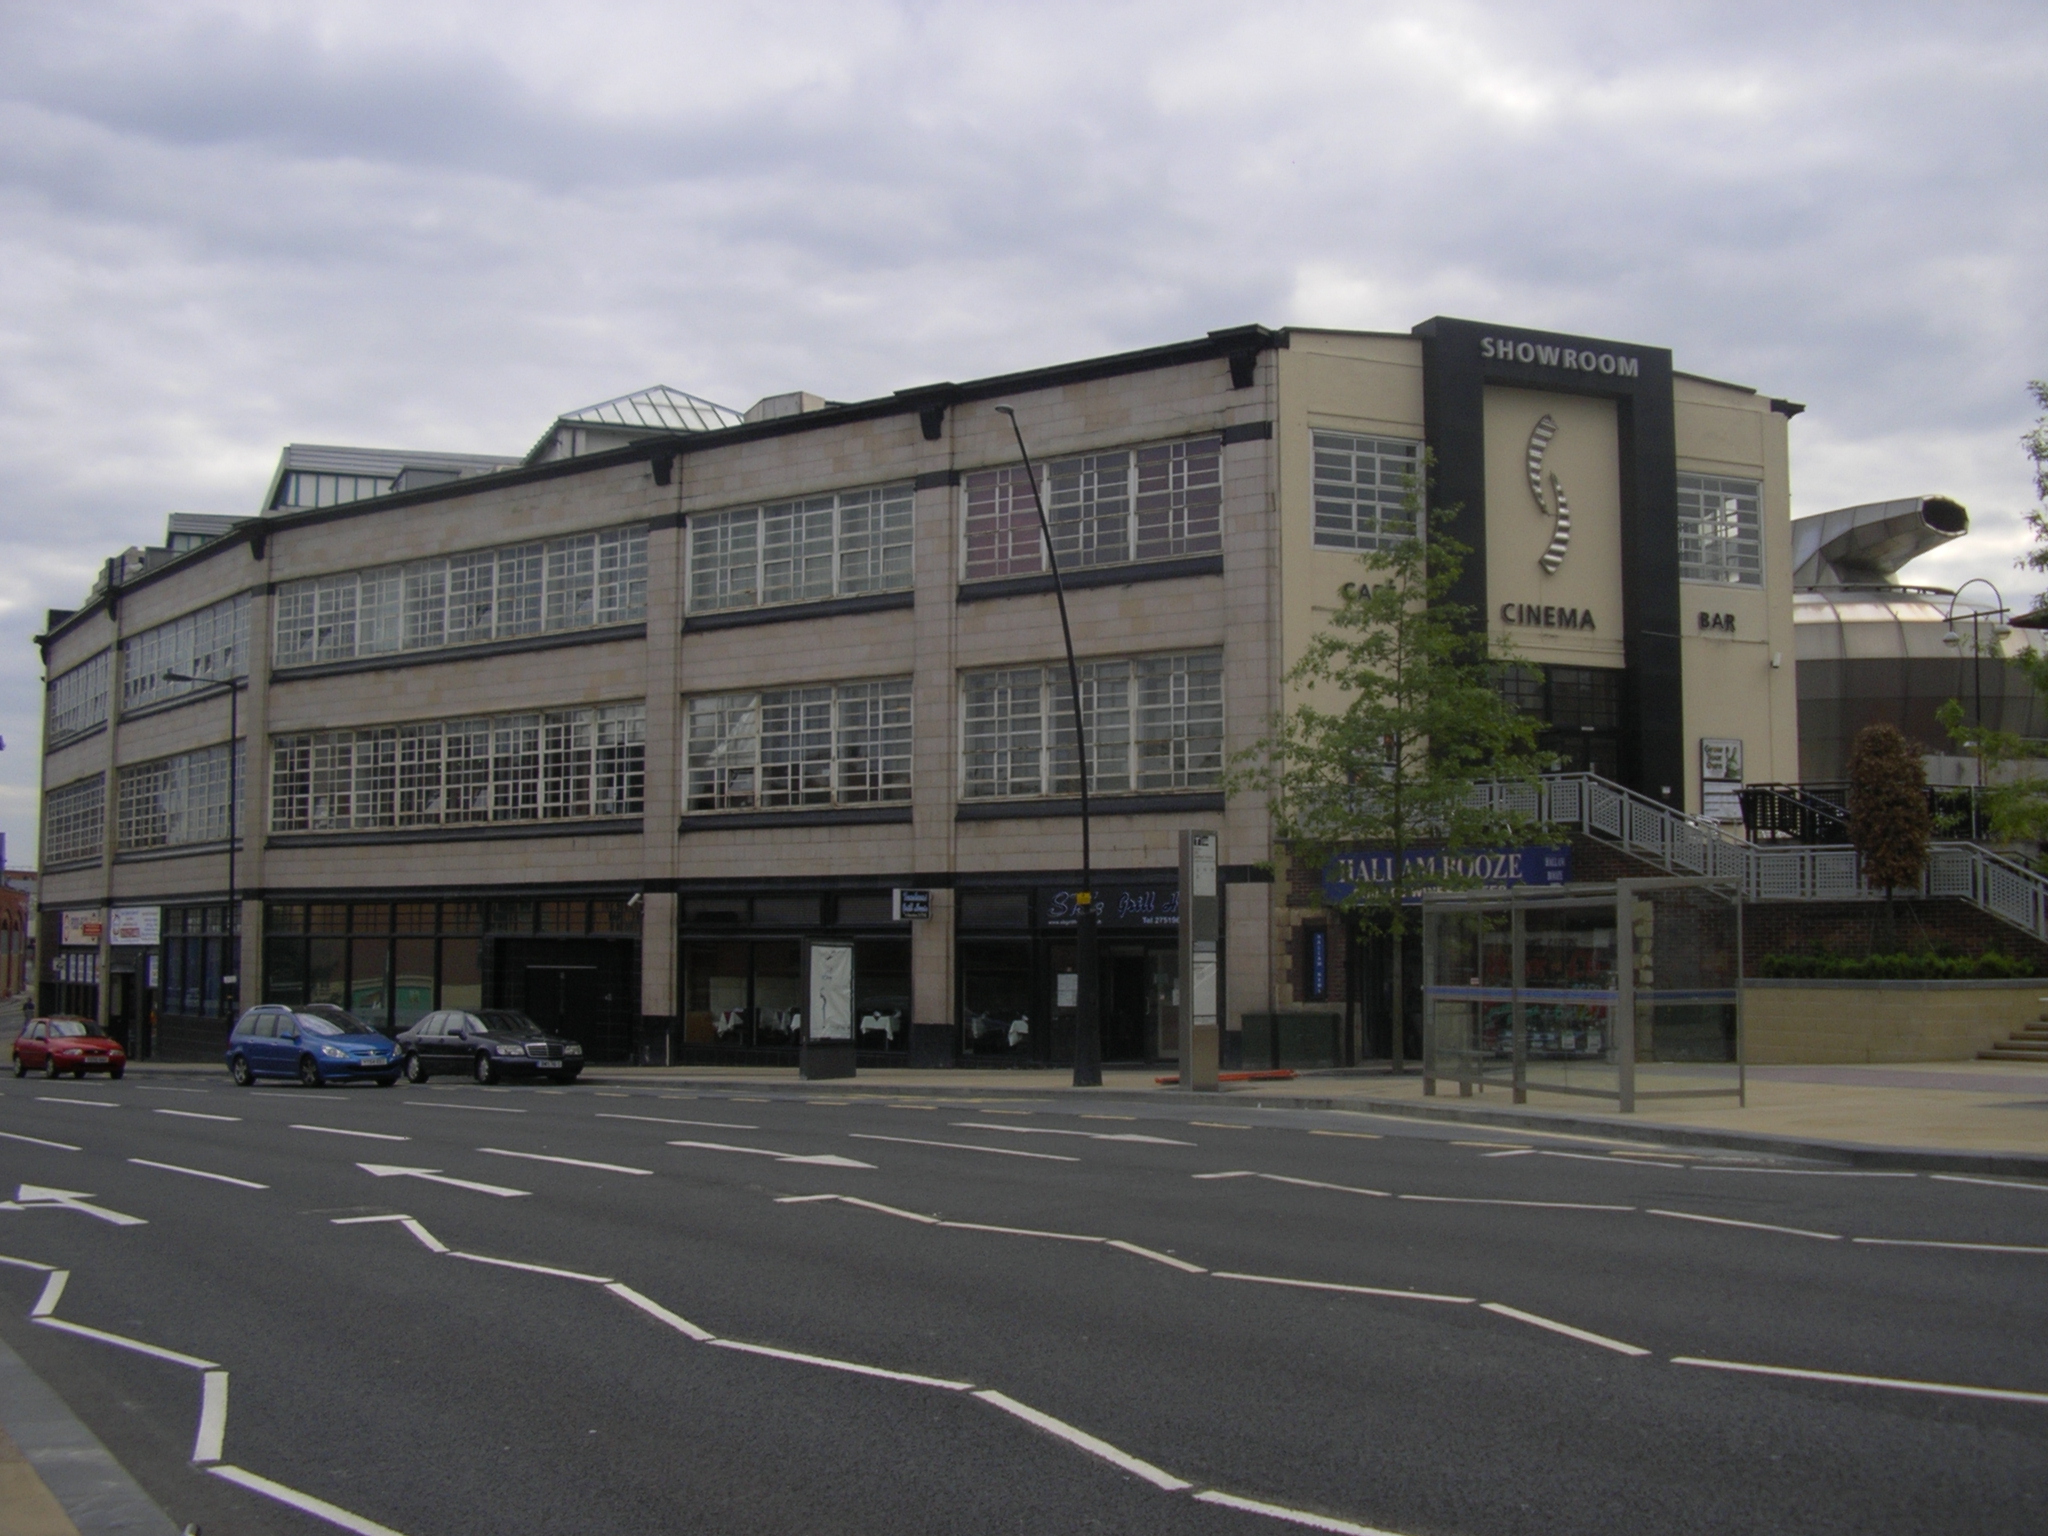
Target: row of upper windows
point(1123, 506)
point(1154, 723)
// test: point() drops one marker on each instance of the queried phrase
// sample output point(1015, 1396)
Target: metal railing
point(1681, 844)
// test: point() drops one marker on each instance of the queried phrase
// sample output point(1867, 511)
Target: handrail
point(1682, 844)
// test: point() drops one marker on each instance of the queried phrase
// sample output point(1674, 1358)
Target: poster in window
point(831, 991)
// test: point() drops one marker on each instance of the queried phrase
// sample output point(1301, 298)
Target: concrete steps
point(2027, 1043)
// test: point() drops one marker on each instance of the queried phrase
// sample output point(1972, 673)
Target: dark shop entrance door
point(581, 989)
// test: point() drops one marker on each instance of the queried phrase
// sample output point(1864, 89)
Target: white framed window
point(211, 644)
point(75, 821)
point(803, 551)
point(179, 800)
point(1111, 508)
point(1154, 723)
point(1362, 490)
point(827, 745)
point(78, 700)
point(550, 765)
point(579, 582)
point(1720, 530)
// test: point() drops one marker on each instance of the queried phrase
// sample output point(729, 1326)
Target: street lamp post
point(1087, 1000)
point(234, 933)
point(1954, 641)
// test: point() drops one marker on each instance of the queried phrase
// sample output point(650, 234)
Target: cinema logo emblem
point(1561, 513)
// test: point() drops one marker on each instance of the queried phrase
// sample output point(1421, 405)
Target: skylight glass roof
point(661, 409)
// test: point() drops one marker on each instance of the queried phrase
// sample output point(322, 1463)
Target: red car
point(62, 1045)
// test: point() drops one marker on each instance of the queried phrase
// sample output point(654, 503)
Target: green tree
point(1400, 716)
point(1890, 821)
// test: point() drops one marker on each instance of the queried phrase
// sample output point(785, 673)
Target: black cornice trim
point(1248, 432)
point(791, 613)
point(1098, 805)
point(560, 640)
point(1093, 576)
point(622, 826)
point(937, 479)
point(832, 816)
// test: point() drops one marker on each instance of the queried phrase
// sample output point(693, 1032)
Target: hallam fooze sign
point(1488, 868)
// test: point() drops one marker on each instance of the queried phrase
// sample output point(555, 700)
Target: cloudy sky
point(224, 227)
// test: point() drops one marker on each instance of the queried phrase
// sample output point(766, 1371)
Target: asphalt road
point(1141, 1318)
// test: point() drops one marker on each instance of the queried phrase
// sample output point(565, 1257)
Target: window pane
point(1088, 502)
point(1362, 487)
point(1720, 530)
point(1002, 535)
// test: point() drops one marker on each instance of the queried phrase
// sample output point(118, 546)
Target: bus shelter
point(1624, 991)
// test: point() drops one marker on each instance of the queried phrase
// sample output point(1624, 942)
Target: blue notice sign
point(1486, 868)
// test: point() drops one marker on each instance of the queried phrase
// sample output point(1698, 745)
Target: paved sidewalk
point(1964, 1116)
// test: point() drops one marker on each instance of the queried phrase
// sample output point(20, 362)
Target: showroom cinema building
point(607, 732)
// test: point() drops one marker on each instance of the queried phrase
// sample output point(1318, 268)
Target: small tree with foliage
point(1400, 718)
point(1889, 819)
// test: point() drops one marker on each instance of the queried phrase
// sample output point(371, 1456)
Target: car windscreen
point(350, 1024)
point(313, 1024)
point(503, 1021)
point(62, 1028)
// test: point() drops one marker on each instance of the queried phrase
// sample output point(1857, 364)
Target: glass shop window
point(881, 994)
point(996, 996)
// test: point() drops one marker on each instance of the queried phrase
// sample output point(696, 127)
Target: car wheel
point(414, 1069)
point(50, 1068)
point(20, 1067)
point(386, 1082)
point(115, 1072)
point(486, 1070)
point(238, 1069)
point(309, 1073)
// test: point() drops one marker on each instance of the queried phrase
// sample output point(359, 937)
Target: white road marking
point(155, 1351)
point(963, 1146)
point(716, 1125)
point(1804, 1173)
point(335, 1130)
point(1293, 1516)
point(819, 1159)
point(44, 1098)
point(1082, 1440)
point(1220, 1125)
point(1348, 1189)
point(1511, 1152)
point(1158, 1258)
point(841, 1365)
point(197, 1173)
point(53, 1292)
point(41, 1269)
point(37, 1197)
point(656, 1310)
point(193, 1114)
point(1587, 1157)
point(426, 1239)
point(37, 1141)
point(1349, 1290)
point(1352, 1135)
point(213, 1418)
point(1997, 1394)
point(1235, 1173)
point(1046, 1130)
point(982, 1226)
point(875, 1205)
point(1534, 1205)
point(1754, 1226)
point(1963, 1178)
point(1904, 1242)
point(489, 1109)
point(333, 1514)
point(571, 1162)
point(532, 1269)
point(1581, 1334)
point(435, 1176)
point(1494, 1146)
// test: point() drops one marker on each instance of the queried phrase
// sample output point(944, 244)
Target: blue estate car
point(271, 1040)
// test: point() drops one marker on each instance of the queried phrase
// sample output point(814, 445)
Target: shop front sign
point(1116, 906)
point(81, 928)
point(909, 906)
point(1491, 868)
point(135, 925)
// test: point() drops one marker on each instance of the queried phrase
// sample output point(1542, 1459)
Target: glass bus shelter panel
point(1467, 1034)
point(1569, 961)
point(1687, 950)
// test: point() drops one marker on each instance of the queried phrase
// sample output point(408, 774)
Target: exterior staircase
point(2028, 1043)
point(1767, 871)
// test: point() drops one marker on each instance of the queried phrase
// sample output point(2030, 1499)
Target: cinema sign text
point(1552, 355)
point(1547, 616)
